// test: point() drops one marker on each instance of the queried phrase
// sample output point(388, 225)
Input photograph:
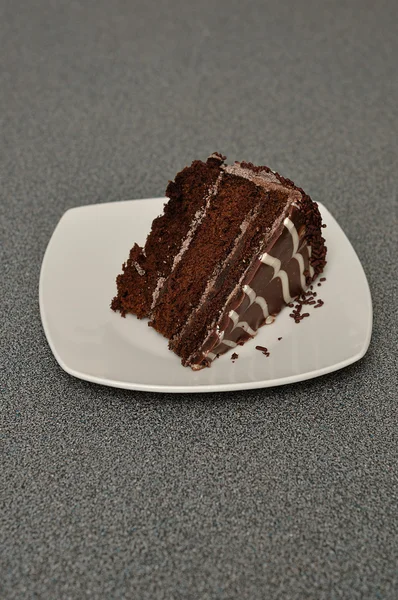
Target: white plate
point(90, 341)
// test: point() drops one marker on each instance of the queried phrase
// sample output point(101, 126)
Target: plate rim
point(206, 388)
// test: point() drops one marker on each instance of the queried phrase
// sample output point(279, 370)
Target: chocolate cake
point(234, 244)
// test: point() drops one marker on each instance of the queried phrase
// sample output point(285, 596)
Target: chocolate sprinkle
point(263, 350)
point(305, 299)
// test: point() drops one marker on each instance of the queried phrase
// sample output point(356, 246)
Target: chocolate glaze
point(261, 296)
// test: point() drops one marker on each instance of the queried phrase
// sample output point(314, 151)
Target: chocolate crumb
point(279, 339)
point(324, 225)
point(319, 284)
point(322, 279)
point(234, 356)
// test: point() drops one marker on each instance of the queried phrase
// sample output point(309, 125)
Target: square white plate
point(90, 341)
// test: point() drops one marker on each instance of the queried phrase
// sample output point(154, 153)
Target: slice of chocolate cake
point(235, 244)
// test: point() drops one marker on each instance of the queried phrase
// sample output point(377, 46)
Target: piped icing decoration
point(276, 264)
point(239, 317)
point(296, 255)
point(242, 324)
point(251, 294)
point(310, 267)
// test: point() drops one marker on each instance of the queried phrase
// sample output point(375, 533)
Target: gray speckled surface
point(278, 493)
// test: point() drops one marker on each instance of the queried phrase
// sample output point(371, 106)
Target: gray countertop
point(284, 493)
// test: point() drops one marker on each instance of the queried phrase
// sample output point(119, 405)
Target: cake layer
point(147, 268)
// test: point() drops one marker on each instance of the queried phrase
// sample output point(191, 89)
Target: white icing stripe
point(156, 292)
point(310, 267)
point(299, 257)
point(234, 317)
point(300, 260)
point(246, 327)
point(271, 261)
point(251, 294)
point(262, 303)
point(275, 263)
point(293, 232)
point(242, 324)
point(285, 286)
point(229, 343)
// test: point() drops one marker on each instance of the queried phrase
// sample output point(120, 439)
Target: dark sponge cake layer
point(147, 266)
